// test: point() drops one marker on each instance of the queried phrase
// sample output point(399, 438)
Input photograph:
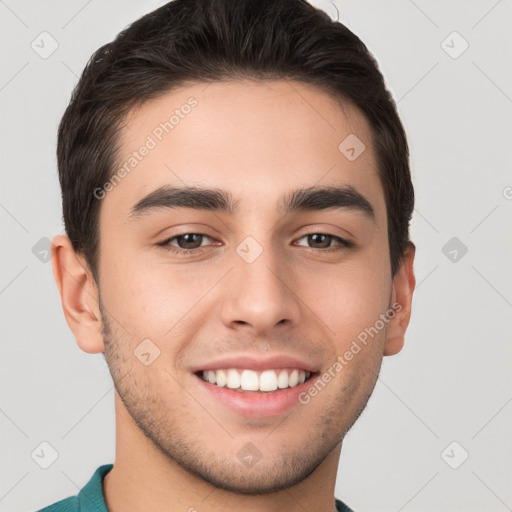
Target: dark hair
point(212, 40)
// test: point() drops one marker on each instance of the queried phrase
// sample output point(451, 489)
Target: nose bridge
point(261, 295)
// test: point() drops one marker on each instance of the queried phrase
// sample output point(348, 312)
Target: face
point(250, 282)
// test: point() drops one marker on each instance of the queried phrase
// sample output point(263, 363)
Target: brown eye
point(184, 244)
point(319, 240)
point(324, 241)
point(189, 241)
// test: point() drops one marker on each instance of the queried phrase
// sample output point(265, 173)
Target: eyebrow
point(217, 200)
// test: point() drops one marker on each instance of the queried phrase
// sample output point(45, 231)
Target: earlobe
point(403, 288)
point(79, 295)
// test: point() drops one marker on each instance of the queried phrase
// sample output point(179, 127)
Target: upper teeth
point(250, 380)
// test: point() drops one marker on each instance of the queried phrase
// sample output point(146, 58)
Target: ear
point(401, 298)
point(79, 295)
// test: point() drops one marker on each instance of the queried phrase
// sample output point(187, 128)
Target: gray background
point(452, 380)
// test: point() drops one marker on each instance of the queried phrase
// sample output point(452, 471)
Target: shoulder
point(341, 507)
point(66, 505)
point(89, 499)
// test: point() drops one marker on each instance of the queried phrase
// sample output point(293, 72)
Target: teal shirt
point(90, 498)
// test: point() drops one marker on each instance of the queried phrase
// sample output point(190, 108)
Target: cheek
point(156, 300)
point(348, 301)
point(131, 292)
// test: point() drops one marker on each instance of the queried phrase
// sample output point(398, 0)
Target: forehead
point(256, 140)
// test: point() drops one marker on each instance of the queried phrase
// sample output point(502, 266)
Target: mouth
point(255, 394)
point(251, 381)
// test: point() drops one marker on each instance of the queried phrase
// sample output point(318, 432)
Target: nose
point(260, 296)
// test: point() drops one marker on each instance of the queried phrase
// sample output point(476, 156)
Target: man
point(236, 196)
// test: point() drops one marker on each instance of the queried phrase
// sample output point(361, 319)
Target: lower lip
point(251, 404)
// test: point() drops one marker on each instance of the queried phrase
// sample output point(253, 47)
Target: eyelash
point(343, 244)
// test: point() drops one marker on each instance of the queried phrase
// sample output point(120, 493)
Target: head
point(235, 181)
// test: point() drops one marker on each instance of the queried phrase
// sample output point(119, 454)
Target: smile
point(259, 381)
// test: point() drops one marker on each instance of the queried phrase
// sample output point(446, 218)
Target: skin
point(176, 448)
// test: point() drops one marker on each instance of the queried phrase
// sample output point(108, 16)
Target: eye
point(185, 243)
point(323, 241)
point(190, 243)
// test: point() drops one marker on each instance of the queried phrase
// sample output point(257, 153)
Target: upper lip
point(275, 362)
